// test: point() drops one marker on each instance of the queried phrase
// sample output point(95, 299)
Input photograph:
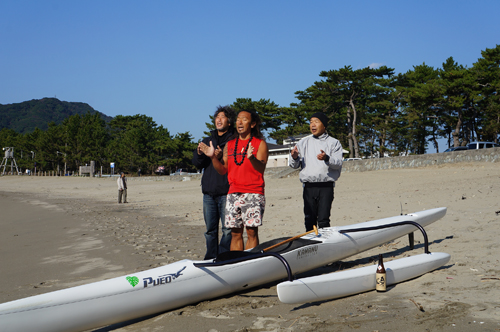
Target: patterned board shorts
point(244, 210)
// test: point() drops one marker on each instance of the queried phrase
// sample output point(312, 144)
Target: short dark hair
point(255, 118)
point(228, 112)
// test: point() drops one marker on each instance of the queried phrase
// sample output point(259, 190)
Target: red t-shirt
point(243, 178)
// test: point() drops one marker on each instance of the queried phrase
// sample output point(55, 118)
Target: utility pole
point(64, 162)
point(32, 158)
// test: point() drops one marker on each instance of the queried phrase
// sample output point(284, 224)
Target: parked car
point(456, 148)
point(180, 171)
point(482, 145)
point(349, 159)
point(160, 170)
point(183, 171)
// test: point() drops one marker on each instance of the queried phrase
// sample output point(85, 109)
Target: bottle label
point(380, 282)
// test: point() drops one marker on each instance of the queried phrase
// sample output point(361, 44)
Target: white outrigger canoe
point(186, 281)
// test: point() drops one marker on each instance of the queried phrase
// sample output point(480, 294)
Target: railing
point(394, 225)
point(247, 258)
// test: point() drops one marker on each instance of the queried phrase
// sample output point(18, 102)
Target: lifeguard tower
point(9, 155)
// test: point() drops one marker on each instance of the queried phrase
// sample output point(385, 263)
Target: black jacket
point(212, 183)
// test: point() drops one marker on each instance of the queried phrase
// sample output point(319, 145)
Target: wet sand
point(62, 232)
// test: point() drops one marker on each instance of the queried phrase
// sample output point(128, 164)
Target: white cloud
point(375, 65)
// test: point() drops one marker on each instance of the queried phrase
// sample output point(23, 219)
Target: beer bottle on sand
point(381, 284)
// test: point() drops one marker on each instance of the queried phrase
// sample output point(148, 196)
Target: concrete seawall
point(412, 161)
point(491, 155)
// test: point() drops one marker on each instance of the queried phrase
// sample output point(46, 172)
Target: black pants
point(318, 198)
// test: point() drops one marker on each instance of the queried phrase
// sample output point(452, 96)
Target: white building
point(278, 155)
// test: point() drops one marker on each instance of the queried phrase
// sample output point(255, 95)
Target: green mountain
point(38, 113)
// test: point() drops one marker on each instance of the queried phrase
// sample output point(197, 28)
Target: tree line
point(130, 142)
point(374, 112)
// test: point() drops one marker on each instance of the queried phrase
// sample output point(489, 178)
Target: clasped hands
point(295, 154)
point(210, 151)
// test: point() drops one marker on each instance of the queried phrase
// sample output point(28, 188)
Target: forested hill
point(26, 116)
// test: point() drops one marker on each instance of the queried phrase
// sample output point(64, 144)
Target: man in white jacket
point(122, 188)
point(320, 157)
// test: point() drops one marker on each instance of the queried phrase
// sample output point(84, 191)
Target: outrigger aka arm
point(247, 258)
point(393, 225)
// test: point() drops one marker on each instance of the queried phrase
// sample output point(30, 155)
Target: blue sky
point(177, 60)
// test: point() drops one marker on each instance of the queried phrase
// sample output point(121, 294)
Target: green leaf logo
point(133, 281)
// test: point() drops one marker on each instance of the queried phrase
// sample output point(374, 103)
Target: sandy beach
point(59, 232)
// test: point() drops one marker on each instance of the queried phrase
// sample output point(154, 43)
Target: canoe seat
point(286, 247)
point(229, 255)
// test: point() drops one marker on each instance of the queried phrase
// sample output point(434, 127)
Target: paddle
point(315, 230)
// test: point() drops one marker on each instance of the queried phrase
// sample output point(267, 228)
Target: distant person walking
point(122, 188)
point(215, 186)
point(320, 157)
point(244, 161)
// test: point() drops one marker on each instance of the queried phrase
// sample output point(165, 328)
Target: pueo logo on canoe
point(306, 252)
point(155, 281)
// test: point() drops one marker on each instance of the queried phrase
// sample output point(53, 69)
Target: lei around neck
point(238, 163)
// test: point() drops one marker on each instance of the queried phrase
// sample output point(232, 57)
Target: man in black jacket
point(213, 185)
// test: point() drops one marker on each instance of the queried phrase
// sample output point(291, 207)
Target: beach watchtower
point(9, 155)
